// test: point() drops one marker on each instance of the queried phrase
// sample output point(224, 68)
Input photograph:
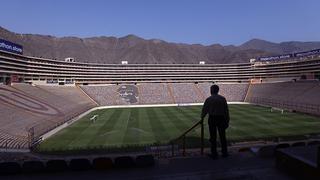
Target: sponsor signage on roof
point(307, 53)
point(286, 56)
point(269, 58)
point(10, 47)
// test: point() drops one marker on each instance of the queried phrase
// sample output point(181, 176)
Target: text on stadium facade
point(286, 56)
point(307, 53)
point(275, 57)
point(10, 47)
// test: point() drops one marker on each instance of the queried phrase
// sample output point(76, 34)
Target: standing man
point(217, 108)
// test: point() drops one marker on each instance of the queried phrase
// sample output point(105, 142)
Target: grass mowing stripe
point(251, 128)
point(132, 134)
point(147, 137)
point(63, 139)
point(190, 118)
point(178, 123)
point(239, 125)
point(174, 119)
point(193, 113)
point(158, 130)
point(195, 109)
point(171, 130)
point(193, 116)
point(187, 114)
point(85, 136)
point(116, 135)
point(161, 124)
point(272, 124)
point(98, 138)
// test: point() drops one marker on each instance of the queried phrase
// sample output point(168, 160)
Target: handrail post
point(202, 138)
point(183, 137)
point(172, 149)
point(184, 145)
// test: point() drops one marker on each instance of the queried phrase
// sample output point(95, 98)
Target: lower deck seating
point(24, 107)
point(105, 95)
point(186, 93)
point(303, 96)
point(154, 93)
point(235, 92)
point(161, 93)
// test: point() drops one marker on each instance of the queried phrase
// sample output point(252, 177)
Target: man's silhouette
point(217, 108)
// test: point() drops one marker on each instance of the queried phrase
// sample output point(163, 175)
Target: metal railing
point(183, 137)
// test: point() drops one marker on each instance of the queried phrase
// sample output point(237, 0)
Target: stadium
point(61, 107)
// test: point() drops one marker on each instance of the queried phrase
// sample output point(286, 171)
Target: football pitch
point(124, 127)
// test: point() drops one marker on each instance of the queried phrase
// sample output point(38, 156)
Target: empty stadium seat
point(7, 168)
point(165, 93)
point(145, 160)
point(301, 96)
point(33, 167)
point(312, 143)
point(124, 162)
point(282, 145)
point(102, 163)
point(43, 109)
point(298, 144)
point(80, 164)
point(57, 165)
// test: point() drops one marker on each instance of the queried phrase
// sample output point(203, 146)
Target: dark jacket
point(216, 106)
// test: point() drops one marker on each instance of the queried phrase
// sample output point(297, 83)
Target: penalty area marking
point(109, 132)
point(139, 130)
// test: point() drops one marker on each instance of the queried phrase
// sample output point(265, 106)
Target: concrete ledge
point(300, 162)
point(14, 150)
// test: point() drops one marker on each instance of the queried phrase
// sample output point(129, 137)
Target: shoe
point(213, 156)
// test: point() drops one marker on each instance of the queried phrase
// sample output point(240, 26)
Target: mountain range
point(134, 49)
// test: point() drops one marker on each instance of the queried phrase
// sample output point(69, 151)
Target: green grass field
point(121, 127)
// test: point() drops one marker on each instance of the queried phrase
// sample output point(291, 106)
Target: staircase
point(171, 92)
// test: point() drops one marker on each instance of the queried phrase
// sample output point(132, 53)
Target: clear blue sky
point(186, 21)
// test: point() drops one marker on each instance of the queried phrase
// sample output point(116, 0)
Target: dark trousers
point(217, 123)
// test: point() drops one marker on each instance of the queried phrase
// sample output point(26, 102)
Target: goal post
point(275, 109)
point(94, 118)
